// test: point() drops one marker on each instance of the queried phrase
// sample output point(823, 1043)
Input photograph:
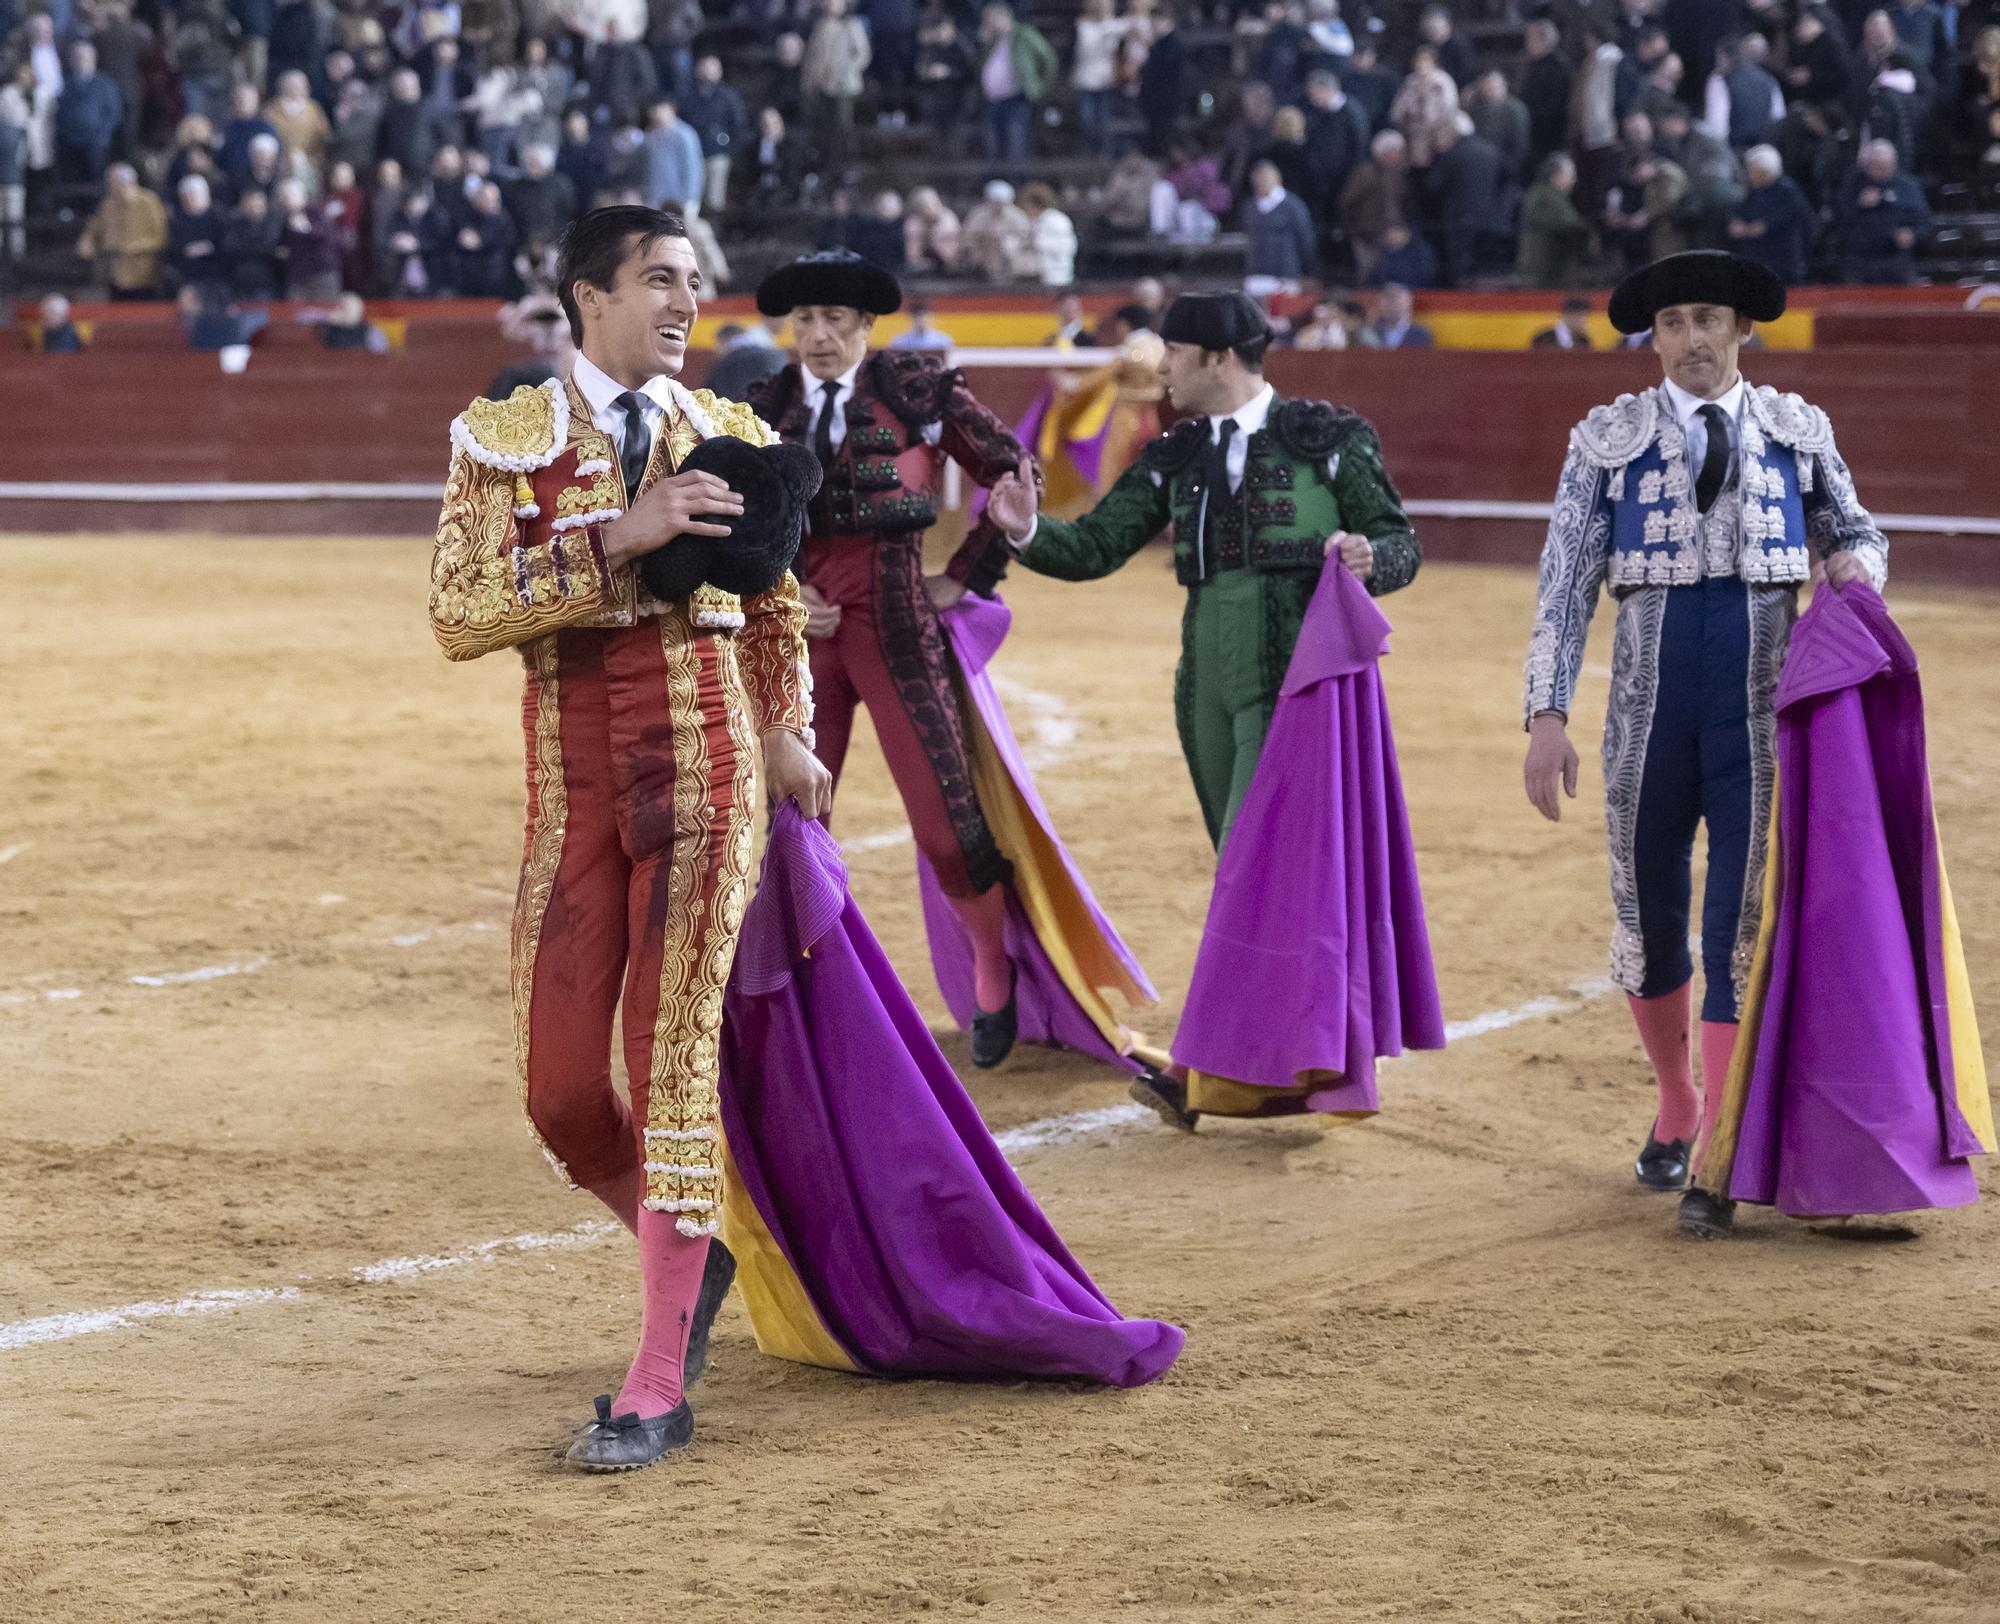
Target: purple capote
point(917, 1246)
point(1315, 957)
point(1047, 1011)
point(1852, 1104)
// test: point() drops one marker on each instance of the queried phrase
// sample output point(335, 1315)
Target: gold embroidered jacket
point(517, 556)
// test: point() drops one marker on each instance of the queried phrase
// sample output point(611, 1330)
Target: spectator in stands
point(1662, 88)
point(1895, 107)
point(301, 124)
point(14, 137)
point(580, 159)
point(722, 123)
point(213, 322)
point(1545, 91)
point(878, 235)
point(892, 39)
point(1194, 192)
point(1099, 33)
point(449, 84)
point(1882, 216)
point(1715, 178)
point(409, 133)
point(356, 127)
point(920, 334)
point(784, 82)
point(1016, 67)
point(415, 248)
point(123, 47)
point(541, 202)
point(1336, 141)
point(126, 236)
point(1470, 198)
point(1393, 325)
point(1162, 80)
point(1502, 119)
point(1571, 331)
point(308, 247)
point(945, 70)
point(194, 235)
point(1429, 96)
point(1555, 237)
point(449, 185)
point(250, 248)
point(1453, 56)
point(543, 86)
point(1127, 203)
point(1281, 248)
point(200, 54)
point(266, 166)
point(495, 106)
point(254, 20)
point(1288, 151)
point(1820, 68)
point(747, 355)
point(1369, 83)
point(88, 114)
point(59, 334)
point(1376, 201)
point(932, 238)
point(1323, 330)
point(1282, 50)
point(1051, 236)
point(831, 77)
point(1248, 134)
point(299, 38)
point(672, 27)
point(485, 243)
point(1330, 37)
point(347, 327)
point(1773, 223)
point(1925, 34)
point(1979, 88)
point(839, 228)
point(1643, 210)
point(672, 176)
point(777, 161)
point(1744, 102)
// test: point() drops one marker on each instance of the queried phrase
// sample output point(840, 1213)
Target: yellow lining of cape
point(781, 1314)
point(1968, 1059)
point(1056, 911)
point(1224, 1096)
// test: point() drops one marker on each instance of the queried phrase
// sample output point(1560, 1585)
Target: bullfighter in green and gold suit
point(1260, 493)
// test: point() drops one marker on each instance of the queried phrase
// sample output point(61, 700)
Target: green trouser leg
point(1223, 697)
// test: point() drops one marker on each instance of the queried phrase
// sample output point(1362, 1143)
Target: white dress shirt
point(1249, 419)
point(843, 392)
point(1687, 413)
point(600, 391)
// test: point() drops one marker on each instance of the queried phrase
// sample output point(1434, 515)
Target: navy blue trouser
point(1697, 770)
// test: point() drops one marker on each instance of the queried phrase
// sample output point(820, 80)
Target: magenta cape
point(898, 1225)
point(1315, 960)
point(1067, 955)
point(1857, 1085)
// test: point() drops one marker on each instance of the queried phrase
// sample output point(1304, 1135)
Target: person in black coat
point(580, 159)
point(250, 238)
point(408, 132)
point(1436, 29)
point(1469, 198)
point(1773, 223)
point(1336, 140)
point(194, 235)
point(1545, 92)
point(1821, 66)
point(1372, 85)
point(1281, 243)
point(1161, 84)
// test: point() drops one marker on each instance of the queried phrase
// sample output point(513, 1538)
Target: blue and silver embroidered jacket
point(1625, 513)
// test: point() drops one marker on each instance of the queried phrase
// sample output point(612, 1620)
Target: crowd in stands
point(252, 149)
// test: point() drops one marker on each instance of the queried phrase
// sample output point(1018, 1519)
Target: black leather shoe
point(717, 1275)
point(993, 1034)
point(1664, 1166)
point(1161, 1094)
point(1704, 1216)
point(624, 1443)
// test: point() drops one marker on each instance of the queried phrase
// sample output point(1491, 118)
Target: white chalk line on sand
point(9, 853)
point(1013, 1142)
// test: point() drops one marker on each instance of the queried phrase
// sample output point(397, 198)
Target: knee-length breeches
point(633, 884)
point(1689, 740)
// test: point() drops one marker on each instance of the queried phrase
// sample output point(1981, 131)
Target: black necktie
point(1715, 461)
point(823, 429)
point(637, 450)
point(1216, 479)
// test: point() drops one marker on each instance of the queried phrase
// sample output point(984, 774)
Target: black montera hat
point(776, 482)
point(834, 277)
point(1214, 321)
point(1700, 276)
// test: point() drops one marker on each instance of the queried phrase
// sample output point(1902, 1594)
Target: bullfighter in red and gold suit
point(642, 718)
point(884, 424)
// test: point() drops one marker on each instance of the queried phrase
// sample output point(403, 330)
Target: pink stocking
point(1663, 1029)
point(1718, 1043)
point(985, 918)
point(620, 1192)
point(670, 1266)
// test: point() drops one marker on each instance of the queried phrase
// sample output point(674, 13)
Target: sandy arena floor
point(1450, 1365)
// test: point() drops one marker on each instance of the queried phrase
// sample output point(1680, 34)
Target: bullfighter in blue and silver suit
point(1705, 504)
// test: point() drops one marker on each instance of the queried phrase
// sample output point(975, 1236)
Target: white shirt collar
point(1686, 405)
point(1271, 200)
point(844, 384)
point(600, 390)
point(1249, 416)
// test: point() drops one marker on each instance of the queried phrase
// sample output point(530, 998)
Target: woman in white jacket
point(1099, 33)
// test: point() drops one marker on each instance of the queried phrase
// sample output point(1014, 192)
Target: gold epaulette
point(733, 417)
point(525, 431)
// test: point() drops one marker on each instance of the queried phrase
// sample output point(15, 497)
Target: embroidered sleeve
point(1370, 506)
point(771, 653)
point(1837, 522)
point(1574, 559)
point(489, 590)
point(985, 448)
point(1132, 513)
